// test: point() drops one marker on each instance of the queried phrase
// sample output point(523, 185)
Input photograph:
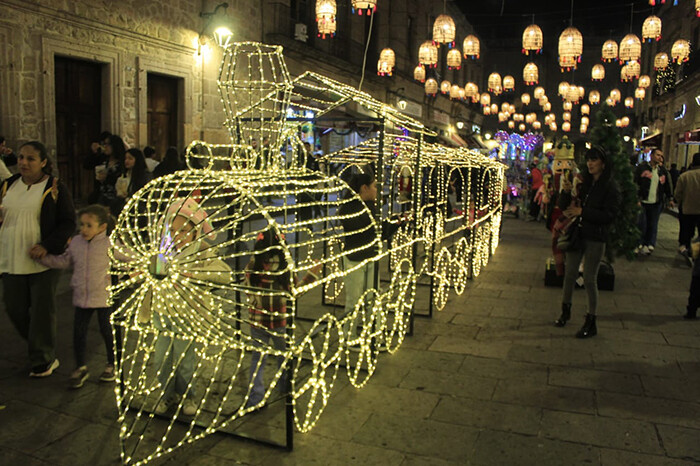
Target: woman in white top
point(37, 218)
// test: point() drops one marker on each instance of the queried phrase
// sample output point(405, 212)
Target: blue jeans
point(263, 336)
point(649, 223)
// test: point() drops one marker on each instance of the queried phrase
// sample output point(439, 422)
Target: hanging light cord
point(364, 59)
point(631, 16)
point(571, 19)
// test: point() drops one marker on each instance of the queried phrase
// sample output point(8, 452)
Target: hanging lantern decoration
point(629, 102)
point(609, 52)
point(571, 43)
point(428, 54)
point(598, 73)
point(543, 100)
point(387, 61)
point(518, 117)
point(585, 109)
point(583, 129)
point(511, 109)
point(616, 95)
point(697, 8)
point(680, 51)
point(567, 63)
point(566, 126)
point(487, 110)
point(661, 61)
point(651, 29)
point(567, 105)
point(547, 119)
point(566, 116)
point(511, 124)
point(640, 93)
point(581, 92)
point(365, 6)
point(462, 93)
point(445, 86)
point(502, 117)
point(505, 107)
point(547, 107)
point(630, 48)
point(594, 97)
point(476, 98)
point(444, 31)
point(553, 126)
point(531, 74)
point(454, 59)
point(494, 108)
point(494, 82)
point(585, 120)
point(453, 90)
point(471, 48)
point(625, 121)
point(508, 83)
point(618, 123)
point(630, 71)
point(431, 87)
point(471, 89)
point(485, 99)
point(325, 18)
point(563, 88)
point(525, 99)
point(419, 73)
point(536, 125)
point(532, 39)
point(538, 92)
point(661, 2)
point(521, 127)
point(610, 102)
point(644, 81)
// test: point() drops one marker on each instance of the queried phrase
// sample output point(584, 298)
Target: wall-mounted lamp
point(222, 33)
point(460, 125)
point(401, 102)
point(626, 138)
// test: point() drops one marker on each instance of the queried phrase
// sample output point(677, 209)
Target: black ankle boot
point(589, 328)
point(565, 315)
point(691, 314)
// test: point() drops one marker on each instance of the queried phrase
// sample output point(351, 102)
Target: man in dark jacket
point(653, 191)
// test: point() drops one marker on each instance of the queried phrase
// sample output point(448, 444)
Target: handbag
point(570, 239)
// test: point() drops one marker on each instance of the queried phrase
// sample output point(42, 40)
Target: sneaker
point(44, 370)
point(164, 405)
point(108, 374)
point(651, 248)
point(687, 256)
point(645, 250)
point(188, 408)
point(79, 376)
point(637, 250)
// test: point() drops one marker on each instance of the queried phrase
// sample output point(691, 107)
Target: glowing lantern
point(553, 126)
point(444, 31)
point(543, 100)
point(630, 71)
point(366, 6)
point(325, 17)
point(531, 74)
point(625, 121)
point(476, 98)
point(661, 61)
point(584, 120)
point(471, 89)
point(594, 97)
point(538, 92)
point(485, 99)
point(494, 108)
point(419, 73)
point(680, 51)
point(511, 109)
point(651, 29)
point(428, 54)
point(471, 47)
point(387, 60)
point(618, 123)
point(567, 105)
point(431, 86)
point(521, 127)
point(630, 48)
point(585, 109)
point(502, 117)
point(445, 86)
point(697, 8)
point(571, 43)
point(453, 90)
point(454, 59)
point(525, 99)
point(547, 119)
point(581, 92)
point(640, 93)
point(598, 73)
point(505, 107)
point(566, 116)
point(536, 124)
point(583, 129)
point(563, 88)
point(487, 110)
point(532, 39)
point(609, 52)
point(616, 95)
point(644, 81)
point(567, 63)
point(547, 107)
point(508, 83)
point(511, 124)
point(494, 82)
point(462, 93)
point(629, 102)
point(566, 126)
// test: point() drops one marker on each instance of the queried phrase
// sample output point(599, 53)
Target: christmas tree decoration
point(532, 39)
point(494, 83)
point(609, 51)
point(597, 73)
point(640, 93)
point(444, 31)
point(661, 61)
point(364, 6)
point(630, 71)
point(428, 54)
point(471, 47)
point(325, 18)
point(531, 74)
point(445, 87)
point(585, 109)
point(387, 61)
point(594, 97)
point(508, 83)
point(680, 51)
point(651, 29)
point(419, 73)
point(454, 59)
point(630, 48)
point(431, 87)
point(525, 99)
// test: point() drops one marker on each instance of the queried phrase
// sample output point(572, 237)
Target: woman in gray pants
point(595, 205)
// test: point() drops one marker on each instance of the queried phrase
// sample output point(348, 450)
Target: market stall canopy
point(653, 140)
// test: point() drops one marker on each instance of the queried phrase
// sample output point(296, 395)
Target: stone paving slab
point(486, 381)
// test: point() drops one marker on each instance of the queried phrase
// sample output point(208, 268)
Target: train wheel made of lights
point(441, 279)
point(398, 301)
point(460, 266)
point(362, 349)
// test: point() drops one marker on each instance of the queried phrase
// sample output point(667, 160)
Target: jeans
point(174, 361)
point(649, 223)
point(80, 331)
point(356, 283)
point(592, 252)
point(688, 225)
point(30, 302)
point(263, 336)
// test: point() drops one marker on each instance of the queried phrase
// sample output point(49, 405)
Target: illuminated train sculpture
point(190, 360)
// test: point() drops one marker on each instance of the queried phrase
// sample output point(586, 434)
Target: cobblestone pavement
point(488, 380)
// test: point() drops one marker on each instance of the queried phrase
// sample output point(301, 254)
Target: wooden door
point(162, 112)
point(78, 87)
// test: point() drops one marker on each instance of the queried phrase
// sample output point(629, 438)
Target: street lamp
point(222, 34)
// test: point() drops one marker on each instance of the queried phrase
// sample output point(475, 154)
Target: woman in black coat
point(592, 210)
